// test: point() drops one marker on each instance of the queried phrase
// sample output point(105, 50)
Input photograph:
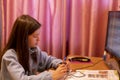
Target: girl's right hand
point(60, 72)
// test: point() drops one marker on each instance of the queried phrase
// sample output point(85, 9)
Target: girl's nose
point(38, 39)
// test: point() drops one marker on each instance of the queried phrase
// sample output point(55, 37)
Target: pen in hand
point(64, 62)
point(68, 70)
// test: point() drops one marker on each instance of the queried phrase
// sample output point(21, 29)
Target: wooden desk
point(96, 63)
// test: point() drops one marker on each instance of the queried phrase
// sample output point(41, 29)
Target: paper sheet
point(93, 75)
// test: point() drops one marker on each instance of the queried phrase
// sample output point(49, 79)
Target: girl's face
point(33, 39)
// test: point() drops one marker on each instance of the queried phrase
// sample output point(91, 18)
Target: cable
point(78, 76)
point(73, 75)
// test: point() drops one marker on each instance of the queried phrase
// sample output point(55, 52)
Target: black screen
point(113, 34)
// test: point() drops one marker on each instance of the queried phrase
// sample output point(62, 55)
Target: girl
point(22, 59)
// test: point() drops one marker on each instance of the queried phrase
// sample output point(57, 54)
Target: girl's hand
point(59, 72)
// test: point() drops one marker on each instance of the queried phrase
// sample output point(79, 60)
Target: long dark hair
point(18, 40)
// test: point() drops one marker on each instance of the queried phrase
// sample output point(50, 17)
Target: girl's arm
point(11, 69)
point(47, 61)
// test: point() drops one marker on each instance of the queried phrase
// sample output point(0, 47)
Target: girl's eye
point(35, 36)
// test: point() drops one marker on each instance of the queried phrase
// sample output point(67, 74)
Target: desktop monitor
point(113, 34)
point(112, 45)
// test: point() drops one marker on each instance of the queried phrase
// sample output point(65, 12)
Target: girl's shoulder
point(9, 54)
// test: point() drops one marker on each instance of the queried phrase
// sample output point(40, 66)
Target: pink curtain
point(68, 26)
point(0, 24)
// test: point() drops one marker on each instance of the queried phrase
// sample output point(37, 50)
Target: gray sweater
point(11, 69)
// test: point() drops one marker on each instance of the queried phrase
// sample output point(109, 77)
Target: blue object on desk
point(104, 56)
point(65, 58)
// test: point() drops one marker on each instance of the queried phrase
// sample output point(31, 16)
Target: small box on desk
point(79, 59)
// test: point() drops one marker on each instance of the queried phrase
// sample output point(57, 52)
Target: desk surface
point(96, 63)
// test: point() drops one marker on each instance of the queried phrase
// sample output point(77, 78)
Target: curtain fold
point(68, 26)
point(0, 25)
